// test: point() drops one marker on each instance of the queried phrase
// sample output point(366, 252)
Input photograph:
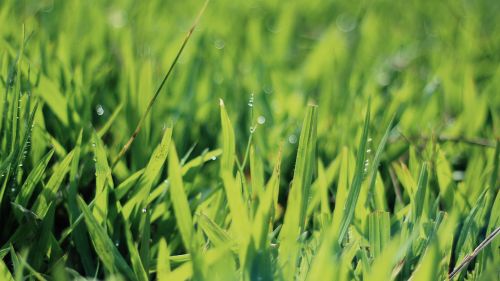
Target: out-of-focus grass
point(332, 140)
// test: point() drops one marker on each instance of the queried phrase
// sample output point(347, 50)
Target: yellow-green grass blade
point(50, 189)
point(104, 181)
point(293, 224)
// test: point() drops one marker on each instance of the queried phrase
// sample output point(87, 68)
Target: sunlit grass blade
point(32, 180)
point(182, 211)
point(163, 262)
point(228, 141)
point(294, 220)
point(379, 232)
point(354, 189)
point(104, 181)
point(4, 272)
point(50, 189)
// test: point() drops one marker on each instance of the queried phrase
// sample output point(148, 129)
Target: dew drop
point(346, 23)
point(267, 89)
point(219, 44)
point(368, 150)
point(292, 139)
point(99, 110)
point(116, 19)
point(213, 158)
point(261, 120)
point(250, 101)
point(144, 210)
point(252, 129)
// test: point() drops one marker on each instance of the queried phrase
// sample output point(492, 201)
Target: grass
point(259, 140)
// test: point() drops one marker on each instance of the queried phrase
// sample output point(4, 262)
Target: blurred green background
point(436, 64)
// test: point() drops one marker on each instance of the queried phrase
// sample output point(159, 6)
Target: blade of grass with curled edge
point(162, 84)
point(110, 256)
point(294, 220)
point(182, 212)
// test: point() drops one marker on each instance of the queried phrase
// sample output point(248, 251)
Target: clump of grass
point(359, 156)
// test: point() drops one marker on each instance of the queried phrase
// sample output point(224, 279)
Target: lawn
point(249, 140)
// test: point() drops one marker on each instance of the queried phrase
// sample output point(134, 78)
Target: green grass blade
point(294, 220)
point(228, 141)
point(49, 191)
point(143, 187)
point(110, 256)
point(163, 262)
point(104, 181)
point(355, 188)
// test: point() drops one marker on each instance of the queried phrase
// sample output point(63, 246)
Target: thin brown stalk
point(127, 145)
point(468, 258)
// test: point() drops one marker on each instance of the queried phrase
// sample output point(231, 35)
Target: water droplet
point(93, 144)
point(13, 189)
point(346, 23)
point(144, 210)
point(20, 165)
point(250, 101)
point(458, 175)
point(99, 110)
point(383, 78)
point(213, 158)
point(252, 129)
point(368, 150)
point(369, 139)
point(292, 139)
point(116, 18)
point(219, 44)
point(267, 89)
point(261, 120)
point(117, 243)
